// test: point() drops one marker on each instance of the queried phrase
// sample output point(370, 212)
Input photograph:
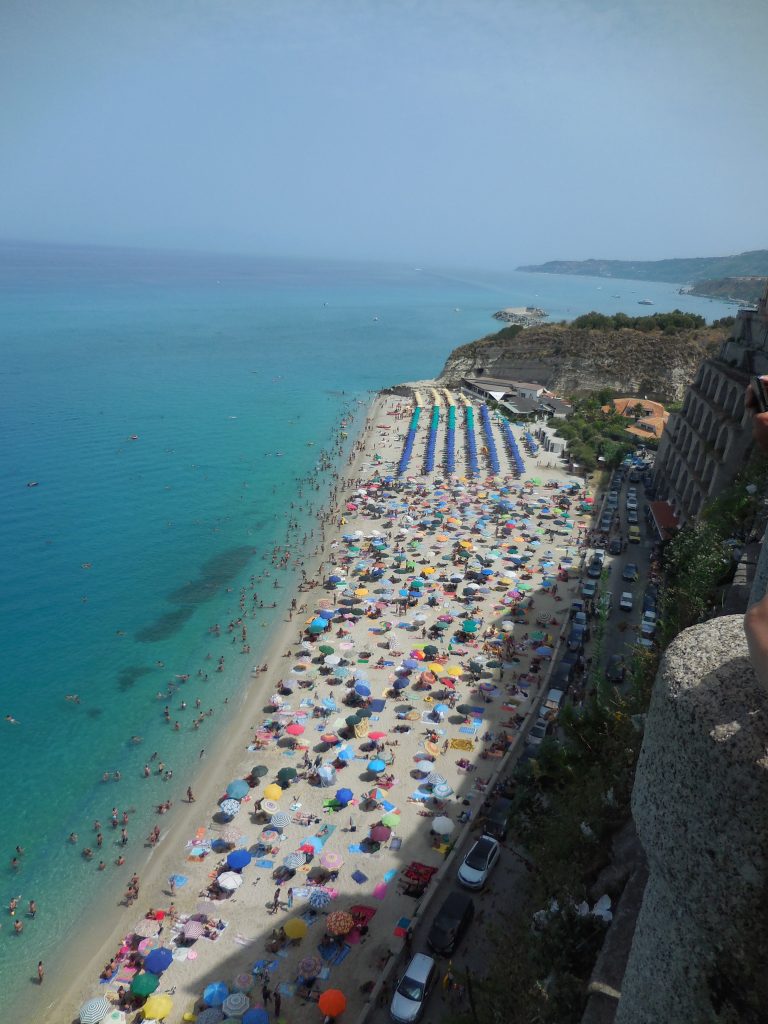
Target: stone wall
point(700, 803)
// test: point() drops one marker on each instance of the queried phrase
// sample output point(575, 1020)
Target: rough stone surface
point(700, 803)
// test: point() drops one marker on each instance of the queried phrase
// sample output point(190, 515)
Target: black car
point(496, 818)
point(594, 569)
point(614, 547)
point(562, 675)
point(451, 921)
point(650, 597)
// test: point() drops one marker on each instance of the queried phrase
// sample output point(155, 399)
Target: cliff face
point(569, 361)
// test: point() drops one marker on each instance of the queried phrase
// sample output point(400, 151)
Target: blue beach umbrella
point(362, 690)
point(400, 684)
point(319, 898)
point(229, 807)
point(238, 859)
point(158, 960)
point(343, 796)
point(346, 754)
point(256, 1015)
point(238, 789)
point(377, 765)
point(215, 993)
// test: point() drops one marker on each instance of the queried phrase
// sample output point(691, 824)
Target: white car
point(479, 862)
point(631, 505)
point(625, 603)
point(648, 625)
point(413, 988)
point(537, 733)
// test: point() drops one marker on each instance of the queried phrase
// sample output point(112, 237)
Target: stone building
point(705, 444)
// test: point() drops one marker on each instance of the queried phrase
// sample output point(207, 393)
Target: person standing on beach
point(190, 795)
point(278, 1000)
point(290, 898)
point(266, 995)
point(276, 901)
point(40, 972)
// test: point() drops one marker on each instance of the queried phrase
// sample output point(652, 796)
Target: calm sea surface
point(117, 563)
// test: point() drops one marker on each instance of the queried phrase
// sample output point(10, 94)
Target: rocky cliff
point(570, 360)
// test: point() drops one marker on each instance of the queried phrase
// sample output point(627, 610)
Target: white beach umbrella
point(229, 881)
point(443, 826)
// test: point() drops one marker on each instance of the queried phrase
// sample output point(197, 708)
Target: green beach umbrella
point(364, 713)
point(259, 771)
point(391, 820)
point(326, 649)
point(469, 626)
point(287, 773)
point(144, 984)
point(352, 720)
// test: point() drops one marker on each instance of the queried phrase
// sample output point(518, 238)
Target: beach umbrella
point(294, 729)
point(295, 860)
point(295, 928)
point(326, 649)
point(339, 923)
point(157, 1006)
point(310, 966)
point(376, 735)
point(147, 945)
point(435, 779)
point(273, 792)
point(469, 626)
point(319, 899)
point(441, 709)
point(345, 754)
point(364, 713)
point(193, 929)
point(144, 984)
point(442, 789)
point(410, 663)
point(215, 993)
point(238, 789)
point(343, 796)
point(400, 684)
point(229, 807)
point(331, 660)
point(287, 774)
point(256, 1015)
point(259, 771)
point(351, 720)
point(238, 859)
point(332, 861)
point(424, 767)
point(158, 960)
point(431, 651)
point(543, 651)
point(391, 820)
point(280, 820)
point(327, 775)
point(146, 928)
point(443, 826)
point(229, 881)
point(332, 1002)
point(454, 670)
point(94, 1010)
point(270, 806)
point(362, 690)
point(243, 982)
point(376, 765)
point(380, 833)
point(236, 1004)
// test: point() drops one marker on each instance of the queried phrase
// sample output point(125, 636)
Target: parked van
point(451, 921)
point(634, 534)
point(553, 701)
point(495, 823)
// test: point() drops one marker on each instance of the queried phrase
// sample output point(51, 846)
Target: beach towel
point(286, 988)
point(471, 729)
point(392, 873)
point(395, 844)
point(387, 805)
point(265, 863)
point(355, 848)
point(359, 877)
point(462, 745)
point(330, 704)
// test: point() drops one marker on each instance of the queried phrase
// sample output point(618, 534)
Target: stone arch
point(698, 412)
point(721, 441)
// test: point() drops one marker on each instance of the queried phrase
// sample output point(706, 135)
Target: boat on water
point(33, 483)
point(644, 302)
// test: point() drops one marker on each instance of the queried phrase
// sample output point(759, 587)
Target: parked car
point(594, 569)
point(599, 554)
point(563, 673)
point(496, 820)
point(480, 861)
point(634, 534)
point(625, 602)
point(588, 588)
point(632, 517)
point(606, 522)
point(631, 505)
point(580, 619)
point(650, 598)
point(615, 669)
point(577, 637)
point(648, 625)
point(451, 921)
point(615, 546)
point(537, 733)
point(630, 572)
point(413, 989)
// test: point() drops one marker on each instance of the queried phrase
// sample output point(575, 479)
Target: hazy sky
point(470, 132)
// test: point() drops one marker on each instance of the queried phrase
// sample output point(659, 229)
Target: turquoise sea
point(117, 563)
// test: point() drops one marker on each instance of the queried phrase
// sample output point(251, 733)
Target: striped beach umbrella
point(94, 1010)
point(332, 861)
point(442, 790)
point(280, 820)
point(215, 993)
point(318, 899)
point(295, 860)
point(236, 1004)
point(270, 806)
point(435, 779)
point(243, 982)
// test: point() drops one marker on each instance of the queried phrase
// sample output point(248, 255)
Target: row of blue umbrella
point(514, 451)
point(529, 440)
point(493, 455)
point(471, 442)
point(450, 441)
point(429, 461)
point(410, 439)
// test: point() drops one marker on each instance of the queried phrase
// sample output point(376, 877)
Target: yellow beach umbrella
point(157, 1006)
point(454, 670)
point(361, 592)
point(295, 928)
point(273, 792)
point(436, 667)
point(441, 537)
point(466, 544)
point(428, 570)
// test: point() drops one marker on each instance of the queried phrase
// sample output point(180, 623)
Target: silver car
point(478, 864)
point(412, 990)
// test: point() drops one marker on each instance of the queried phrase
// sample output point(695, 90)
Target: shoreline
point(92, 949)
point(229, 754)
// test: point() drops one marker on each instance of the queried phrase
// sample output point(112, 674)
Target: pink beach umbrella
point(332, 861)
point(294, 729)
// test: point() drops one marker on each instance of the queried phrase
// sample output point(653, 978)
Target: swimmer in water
point(72, 698)
point(11, 720)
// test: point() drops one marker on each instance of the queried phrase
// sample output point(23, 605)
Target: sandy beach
point(438, 604)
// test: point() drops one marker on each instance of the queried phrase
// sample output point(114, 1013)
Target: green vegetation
point(592, 433)
point(668, 323)
point(735, 289)
point(677, 271)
